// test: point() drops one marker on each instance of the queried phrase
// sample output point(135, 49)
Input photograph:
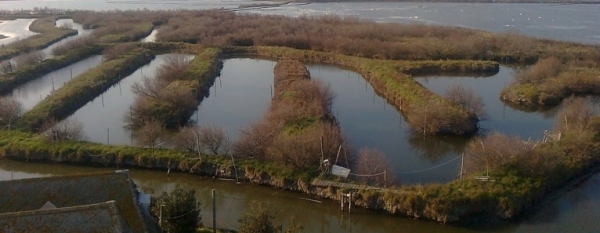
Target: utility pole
point(214, 212)
point(107, 136)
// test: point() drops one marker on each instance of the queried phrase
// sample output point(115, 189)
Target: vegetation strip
point(87, 86)
point(49, 34)
point(11, 80)
point(173, 95)
point(387, 78)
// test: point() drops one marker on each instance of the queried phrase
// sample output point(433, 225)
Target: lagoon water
point(14, 30)
point(32, 92)
point(575, 211)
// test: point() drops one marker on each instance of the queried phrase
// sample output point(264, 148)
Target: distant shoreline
point(567, 2)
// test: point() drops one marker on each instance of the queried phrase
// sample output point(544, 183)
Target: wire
point(431, 168)
point(183, 215)
point(360, 175)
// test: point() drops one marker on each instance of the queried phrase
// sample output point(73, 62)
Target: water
point(151, 37)
point(239, 97)
point(32, 92)
point(501, 117)
point(103, 117)
point(103, 5)
point(576, 211)
point(575, 22)
point(76, 26)
point(15, 30)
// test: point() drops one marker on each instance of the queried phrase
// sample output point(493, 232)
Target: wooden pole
point(350, 202)
point(338, 154)
point(214, 211)
point(462, 164)
point(342, 201)
point(322, 155)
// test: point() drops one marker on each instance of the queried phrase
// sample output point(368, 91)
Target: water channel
point(103, 117)
point(32, 92)
point(76, 26)
point(575, 211)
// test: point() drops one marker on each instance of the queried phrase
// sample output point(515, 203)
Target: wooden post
point(350, 202)
point(462, 164)
point(214, 211)
point(342, 201)
point(322, 155)
point(338, 154)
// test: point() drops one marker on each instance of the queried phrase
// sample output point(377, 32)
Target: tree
point(258, 220)
point(372, 166)
point(149, 134)
point(199, 139)
point(177, 211)
point(10, 110)
point(466, 98)
point(69, 129)
point(576, 115)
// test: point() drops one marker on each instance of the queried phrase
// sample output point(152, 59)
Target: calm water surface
point(15, 30)
point(103, 117)
point(239, 97)
point(32, 92)
point(81, 33)
point(576, 211)
point(372, 123)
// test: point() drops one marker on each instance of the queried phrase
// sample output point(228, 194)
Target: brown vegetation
point(466, 98)
point(299, 118)
point(10, 110)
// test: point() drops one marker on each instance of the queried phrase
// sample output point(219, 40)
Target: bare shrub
point(173, 68)
point(7, 67)
point(66, 130)
point(542, 70)
point(494, 151)
point(150, 134)
point(576, 115)
point(28, 59)
point(64, 48)
point(371, 167)
point(10, 110)
point(117, 50)
point(466, 98)
point(200, 139)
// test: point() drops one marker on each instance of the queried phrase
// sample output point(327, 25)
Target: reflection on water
point(501, 117)
point(239, 97)
point(15, 30)
point(234, 199)
point(103, 117)
point(32, 92)
point(368, 120)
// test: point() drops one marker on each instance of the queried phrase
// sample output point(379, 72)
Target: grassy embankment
point(551, 80)
point(297, 123)
point(49, 34)
point(22, 75)
point(392, 80)
point(85, 87)
point(177, 89)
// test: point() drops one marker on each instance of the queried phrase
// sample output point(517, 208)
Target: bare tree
point(542, 70)
point(66, 130)
point(200, 139)
point(371, 167)
point(150, 134)
point(494, 151)
point(576, 115)
point(29, 59)
point(10, 110)
point(173, 68)
point(466, 98)
point(7, 67)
